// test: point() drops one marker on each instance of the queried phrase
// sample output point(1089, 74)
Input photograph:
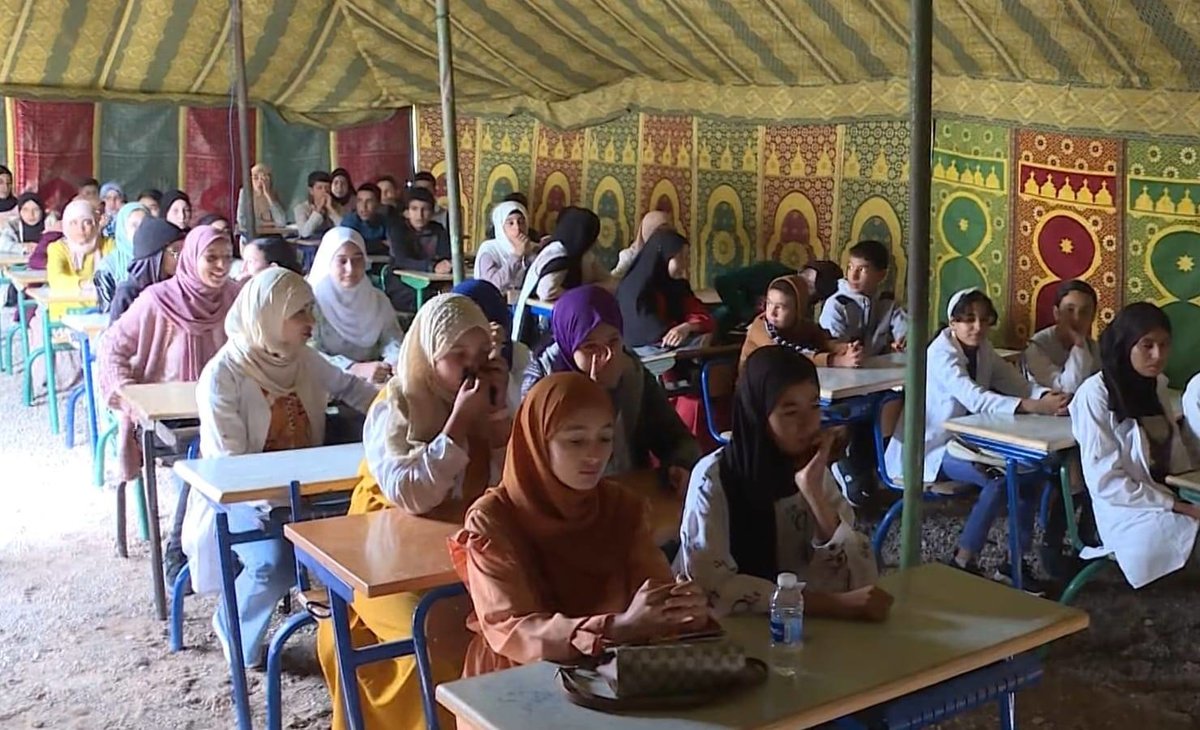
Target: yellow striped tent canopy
point(1131, 65)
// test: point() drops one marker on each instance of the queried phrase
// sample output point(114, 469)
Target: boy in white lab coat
point(1129, 441)
point(1061, 357)
point(966, 375)
point(859, 312)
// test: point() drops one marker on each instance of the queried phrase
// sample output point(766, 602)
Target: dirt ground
point(80, 648)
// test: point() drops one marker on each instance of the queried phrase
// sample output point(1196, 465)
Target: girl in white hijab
point(264, 390)
point(503, 260)
point(356, 328)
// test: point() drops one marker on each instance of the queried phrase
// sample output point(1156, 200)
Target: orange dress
point(519, 615)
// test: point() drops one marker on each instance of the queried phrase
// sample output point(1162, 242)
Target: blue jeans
point(267, 574)
point(993, 497)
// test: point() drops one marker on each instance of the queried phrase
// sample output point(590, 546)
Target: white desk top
point(153, 402)
point(942, 625)
point(233, 479)
point(425, 275)
point(1047, 434)
point(12, 259)
point(1187, 480)
point(45, 295)
point(839, 383)
point(86, 324)
point(27, 278)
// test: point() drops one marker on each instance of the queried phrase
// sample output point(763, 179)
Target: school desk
point(390, 551)
point(1020, 439)
point(419, 281)
point(8, 263)
point(85, 328)
point(44, 297)
point(953, 641)
point(708, 297)
point(168, 415)
point(1188, 485)
point(229, 480)
point(23, 281)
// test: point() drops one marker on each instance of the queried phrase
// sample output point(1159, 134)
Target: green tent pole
point(450, 132)
point(920, 86)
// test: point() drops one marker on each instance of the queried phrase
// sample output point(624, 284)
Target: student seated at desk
point(341, 189)
point(417, 243)
point(1129, 441)
point(658, 306)
point(1063, 355)
point(503, 260)
point(262, 253)
point(151, 199)
point(156, 249)
point(365, 218)
point(499, 316)
point(587, 327)
point(167, 335)
point(265, 207)
point(317, 213)
point(177, 208)
point(564, 263)
point(743, 291)
point(967, 376)
point(859, 312)
point(767, 503)
point(786, 322)
point(114, 269)
point(70, 269)
point(434, 441)
point(653, 222)
point(356, 328)
point(264, 390)
point(216, 220)
point(558, 560)
point(22, 230)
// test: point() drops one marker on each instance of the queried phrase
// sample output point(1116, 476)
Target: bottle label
point(787, 630)
point(777, 631)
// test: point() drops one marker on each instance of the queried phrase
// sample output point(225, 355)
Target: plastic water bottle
point(787, 623)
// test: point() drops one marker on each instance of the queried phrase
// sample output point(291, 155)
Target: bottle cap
point(786, 580)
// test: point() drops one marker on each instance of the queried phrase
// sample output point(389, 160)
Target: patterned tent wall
point(53, 146)
point(1015, 210)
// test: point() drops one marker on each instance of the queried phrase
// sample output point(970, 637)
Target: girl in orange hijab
point(558, 560)
point(786, 321)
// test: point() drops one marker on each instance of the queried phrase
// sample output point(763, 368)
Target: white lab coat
point(950, 393)
point(1133, 513)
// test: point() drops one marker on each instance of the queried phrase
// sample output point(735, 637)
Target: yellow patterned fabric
point(1108, 65)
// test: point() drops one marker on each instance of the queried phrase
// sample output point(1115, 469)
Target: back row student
point(859, 311)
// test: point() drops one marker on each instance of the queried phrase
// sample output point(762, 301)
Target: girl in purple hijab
point(586, 326)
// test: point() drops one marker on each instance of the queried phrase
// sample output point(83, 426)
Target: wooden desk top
point(45, 295)
point(839, 383)
point(234, 479)
point(89, 325)
point(1046, 434)
point(708, 297)
point(153, 402)
point(427, 276)
point(539, 304)
point(391, 551)
point(30, 277)
point(12, 259)
point(1188, 480)
point(944, 623)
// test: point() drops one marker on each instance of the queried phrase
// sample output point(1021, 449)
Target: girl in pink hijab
point(167, 335)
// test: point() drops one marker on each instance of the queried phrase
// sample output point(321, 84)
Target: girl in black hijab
point(657, 302)
point(155, 253)
point(577, 231)
point(345, 187)
point(766, 503)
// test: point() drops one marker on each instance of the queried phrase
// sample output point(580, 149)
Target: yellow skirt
point(390, 692)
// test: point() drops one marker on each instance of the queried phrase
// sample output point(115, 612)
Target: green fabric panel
point(139, 145)
point(292, 151)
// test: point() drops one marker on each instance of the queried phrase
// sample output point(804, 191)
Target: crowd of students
point(558, 558)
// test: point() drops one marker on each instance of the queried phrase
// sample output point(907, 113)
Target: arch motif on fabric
point(1066, 247)
point(665, 193)
point(608, 201)
point(724, 235)
point(964, 223)
point(794, 231)
point(877, 219)
point(556, 195)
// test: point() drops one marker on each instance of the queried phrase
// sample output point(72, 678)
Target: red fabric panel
point(383, 148)
point(53, 148)
point(210, 148)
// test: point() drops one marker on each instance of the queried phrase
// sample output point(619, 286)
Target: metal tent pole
point(450, 133)
point(920, 82)
point(239, 81)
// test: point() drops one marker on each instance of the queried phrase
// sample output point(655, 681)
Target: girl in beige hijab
point(264, 390)
point(652, 222)
point(434, 440)
point(268, 212)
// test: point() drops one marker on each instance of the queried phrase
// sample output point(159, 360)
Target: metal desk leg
point(51, 377)
point(421, 649)
point(347, 676)
point(150, 485)
point(23, 319)
point(237, 668)
point(1012, 482)
point(89, 391)
point(1008, 711)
